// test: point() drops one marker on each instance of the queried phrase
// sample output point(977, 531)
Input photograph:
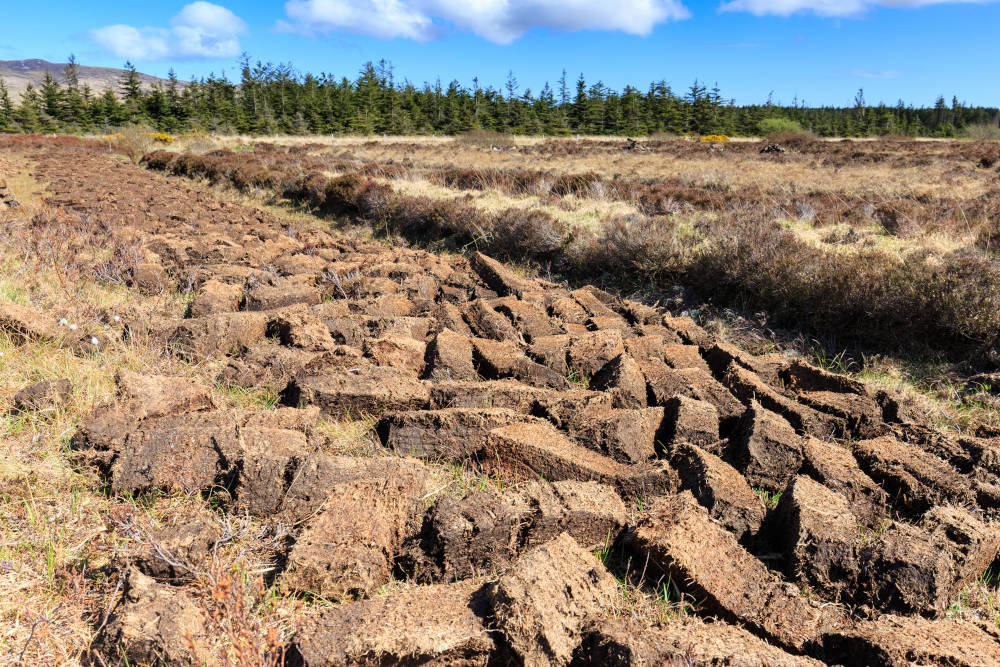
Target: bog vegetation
point(276, 99)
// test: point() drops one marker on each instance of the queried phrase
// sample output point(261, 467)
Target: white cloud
point(200, 30)
point(380, 18)
point(828, 7)
point(500, 21)
point(877, 74)
point(129, 42)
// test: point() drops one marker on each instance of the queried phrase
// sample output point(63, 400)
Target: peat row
point(875, 298)
point(609, 425)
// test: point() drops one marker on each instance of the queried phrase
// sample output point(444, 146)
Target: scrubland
point(270, 403)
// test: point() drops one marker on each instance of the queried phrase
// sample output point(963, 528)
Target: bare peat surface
point(611, 428)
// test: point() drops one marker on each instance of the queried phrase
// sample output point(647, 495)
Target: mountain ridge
point(17, 74)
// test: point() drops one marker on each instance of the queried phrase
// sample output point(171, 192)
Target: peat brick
point(766, 449)
point(680, 540)
point(629, 436)
point(533, 451)
point(449, 357)
point(718, 487)
point(46, 395)
point(508, 394)
point(548, 595)
point(24, 324)
point(914, 479)
point(691, 641)
point(588, 353)
point(157, 623)
point(148, 396)
point(450, 434)
point(898, 641)
point(693, 421)
point(347, 548)
point(271, 298)
point(440, 625)
point(818, 532)
point(215, 297)
point(358, 392)
point(921, 569)
point(623, 379)
point(498, 277)
point(396, 351)
point(485, 531)
point(835, 467)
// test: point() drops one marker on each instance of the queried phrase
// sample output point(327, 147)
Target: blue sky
point(819, 50)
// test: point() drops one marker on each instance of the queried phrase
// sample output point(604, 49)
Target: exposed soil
point(601, 425)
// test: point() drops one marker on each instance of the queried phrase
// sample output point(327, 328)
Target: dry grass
point(706, 168)
point(850, 239)
point(583, 212)
point(134, 141)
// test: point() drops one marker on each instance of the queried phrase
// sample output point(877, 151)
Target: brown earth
point(596, 424)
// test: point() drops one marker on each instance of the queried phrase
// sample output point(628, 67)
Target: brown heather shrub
point(160, 160)
point(284, 172)
point(374, 202)
point(870, 296)
point(898, 218)
point(642, 247)
point(309, 189)
point(988, 237)
point(250, 176)
point(517, 233)
point(22, 142)
point(575, 184)
point(800, 140)
point(340, 194)
point(377, 170)
point(430, 220)
point(508, 181)
point(484, 139)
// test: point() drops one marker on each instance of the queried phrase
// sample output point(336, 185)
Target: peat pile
point(610, 424)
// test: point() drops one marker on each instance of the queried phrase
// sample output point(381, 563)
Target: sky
point(816, 51)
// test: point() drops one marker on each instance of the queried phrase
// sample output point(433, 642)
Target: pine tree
point(6, 108)
point(29, 112)
point(52, 97)
point(512, 87)
point(75, 107)
point(131, 92)
point(579, 114)
point(699, 116)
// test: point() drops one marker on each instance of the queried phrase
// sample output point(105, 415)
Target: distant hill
point(19, 73)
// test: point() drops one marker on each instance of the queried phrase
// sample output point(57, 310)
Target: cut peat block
point(678, 539)
point(539, 451)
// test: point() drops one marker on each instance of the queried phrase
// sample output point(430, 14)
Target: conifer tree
point(6, 108)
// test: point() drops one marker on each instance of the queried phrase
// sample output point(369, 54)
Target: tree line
point(277, 99)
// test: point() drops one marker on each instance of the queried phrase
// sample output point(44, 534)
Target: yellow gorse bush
point(714, 137)
point(158, 137)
